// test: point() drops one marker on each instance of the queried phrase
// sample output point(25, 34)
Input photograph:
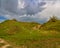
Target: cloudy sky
point(29, 10)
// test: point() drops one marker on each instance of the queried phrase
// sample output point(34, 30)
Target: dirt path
point(4, 44)
point(37, 27)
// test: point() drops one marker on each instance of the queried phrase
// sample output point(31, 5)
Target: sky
point(29, 10)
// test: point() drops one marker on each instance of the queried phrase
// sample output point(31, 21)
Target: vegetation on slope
point(52, 24)
point(23, 33)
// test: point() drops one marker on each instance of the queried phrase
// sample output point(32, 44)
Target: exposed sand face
point(4, 43)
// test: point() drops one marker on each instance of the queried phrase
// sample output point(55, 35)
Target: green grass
point(23, 34)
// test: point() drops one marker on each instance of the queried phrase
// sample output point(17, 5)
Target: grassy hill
point(31, 34)
point(52, 24)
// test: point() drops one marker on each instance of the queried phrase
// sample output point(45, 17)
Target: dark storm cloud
point(30, 7)
point(33, 6)
point(20, 9)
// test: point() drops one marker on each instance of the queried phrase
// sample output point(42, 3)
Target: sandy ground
point(6, 44)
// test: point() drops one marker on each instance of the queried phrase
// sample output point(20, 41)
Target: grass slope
point(23, 35)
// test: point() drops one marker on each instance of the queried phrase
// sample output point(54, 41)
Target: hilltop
point(31, 34)
point(52, 24)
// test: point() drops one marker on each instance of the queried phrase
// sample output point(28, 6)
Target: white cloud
point(52, 9)
point(20, 4)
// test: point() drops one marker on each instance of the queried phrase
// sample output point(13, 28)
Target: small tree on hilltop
point(14, 19)
point(53, 19)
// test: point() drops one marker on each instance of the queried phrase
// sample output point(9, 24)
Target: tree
point(53, 18)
